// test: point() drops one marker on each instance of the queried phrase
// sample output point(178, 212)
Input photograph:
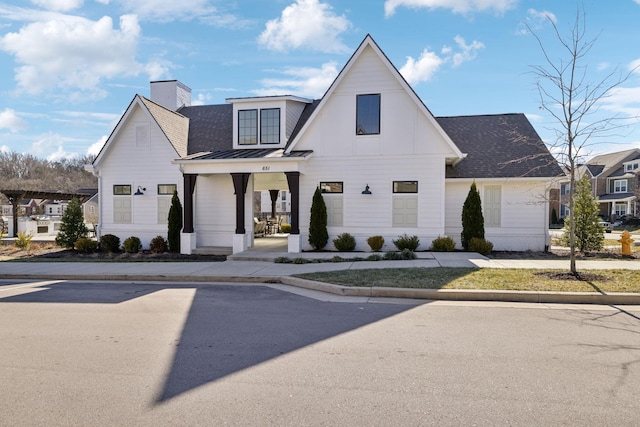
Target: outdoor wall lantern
point(366, 190)
point(139, 191)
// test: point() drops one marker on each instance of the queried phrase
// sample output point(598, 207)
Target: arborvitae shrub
point(158, 245)
point(109, 243)
point(472, 219)
point(375, 243)
point(443, 244)
point(345, 242)
point(407, 242)
point(175, 223)
point(481, 246)
point(132, 245)
point(86, 245)
point(318, 235)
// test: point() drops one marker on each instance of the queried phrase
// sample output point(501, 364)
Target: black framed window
point(166, 189)
point(331, 187)
point(122, 190)
point(270, 126)
point(247, 127)
point(405, 186)
point(368, 114)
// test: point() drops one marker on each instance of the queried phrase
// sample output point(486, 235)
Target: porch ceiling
point(270, 181)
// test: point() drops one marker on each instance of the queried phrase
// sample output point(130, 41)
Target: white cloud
point(168, 10)
point(309, 24)
point(201, 99)
point(9, 120)
point(74, 54)
point(4, 149)
point(624, 101)
point(535, 20)
point(467, 52)
point(95, 148)
point(302, 81)
point(416, 71)
point(423, 69)
point(456, 6)
point(59, 5)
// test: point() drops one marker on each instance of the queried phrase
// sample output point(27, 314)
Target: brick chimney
point(171, 94)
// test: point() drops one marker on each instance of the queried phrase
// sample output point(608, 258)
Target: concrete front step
point(213, 250)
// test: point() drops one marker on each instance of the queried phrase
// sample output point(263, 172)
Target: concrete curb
point(469, 295)
point(371, 292)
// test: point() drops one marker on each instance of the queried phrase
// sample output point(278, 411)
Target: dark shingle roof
point(498, 146)
point(210, 127)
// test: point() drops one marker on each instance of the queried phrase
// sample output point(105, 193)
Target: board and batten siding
point(144, 165)
point(523, 213)
point(215, 212)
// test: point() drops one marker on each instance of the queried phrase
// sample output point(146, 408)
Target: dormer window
point(632, 166)
point(368, 114)
point(269, 131)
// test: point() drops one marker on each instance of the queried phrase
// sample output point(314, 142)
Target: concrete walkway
point(259, 267)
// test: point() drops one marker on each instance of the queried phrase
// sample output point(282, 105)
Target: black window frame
point(262, 126)
point(397, 190)
point(124, 188)
point(365, 116)
point(330, 184)
point(242, 127)
point(162, 193)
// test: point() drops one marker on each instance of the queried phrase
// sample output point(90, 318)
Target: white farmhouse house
point(385, 164)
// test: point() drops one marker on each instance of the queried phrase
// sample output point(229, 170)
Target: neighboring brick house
point(614, 180)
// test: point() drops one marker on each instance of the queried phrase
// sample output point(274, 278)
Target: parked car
point(608, 227)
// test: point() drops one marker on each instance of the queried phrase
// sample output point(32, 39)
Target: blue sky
point(69, 68)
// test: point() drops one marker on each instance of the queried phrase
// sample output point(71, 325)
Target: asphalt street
point(156, 354)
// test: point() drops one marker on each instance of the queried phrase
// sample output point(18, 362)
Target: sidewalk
point(260, 268)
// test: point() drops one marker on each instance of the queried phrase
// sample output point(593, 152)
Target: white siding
point(127, 163)
point(523, 216)
point(215, 211)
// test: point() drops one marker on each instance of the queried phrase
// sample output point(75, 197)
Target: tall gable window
point(247, 127)
point(270, 126)
point(368, 114)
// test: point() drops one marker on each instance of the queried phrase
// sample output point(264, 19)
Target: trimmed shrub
point(407, 242)
point(407, 254)
point(375, 257)
point(282, 260)
point(301, 261)
point(443, 244)
point(472, 219)
point(392, 256)
point(336, 258)
point(132, 245)
point(24, 240)
point(480, 246)
point(86, 245)
point(109, 243)
point(174, 223)
point(318, 235)
point(375, 243)
point(285, 228)
point(158, 245)
point(345, 242)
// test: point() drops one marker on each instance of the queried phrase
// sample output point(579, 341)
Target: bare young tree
point(573, 101)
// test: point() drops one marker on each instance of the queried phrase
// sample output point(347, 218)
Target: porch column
point(274, 196)
point(189, 188)
point(293, 179)
point(240, 181)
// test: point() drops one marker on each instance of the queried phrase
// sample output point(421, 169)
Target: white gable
point(406, 125)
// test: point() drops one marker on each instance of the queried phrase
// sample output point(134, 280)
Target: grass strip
point(485, 279)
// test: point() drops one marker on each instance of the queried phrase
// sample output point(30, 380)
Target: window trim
point(262, 124)
point(619, 190)
point(175, 188)
point(398, 191)
point(359, 129)
point(124, 188)
point(255, 128)
point(328, 184)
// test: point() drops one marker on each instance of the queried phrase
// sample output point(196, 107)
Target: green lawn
point(484, 279)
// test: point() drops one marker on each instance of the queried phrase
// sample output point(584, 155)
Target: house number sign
point(266, 168)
